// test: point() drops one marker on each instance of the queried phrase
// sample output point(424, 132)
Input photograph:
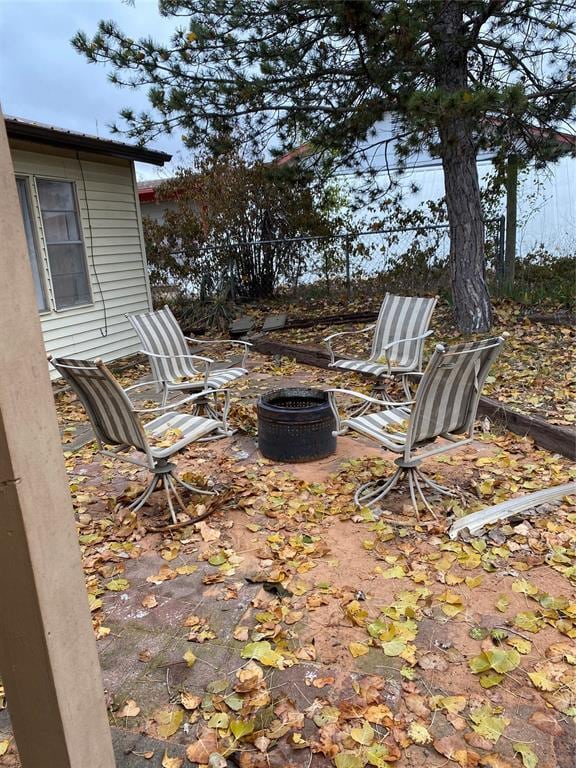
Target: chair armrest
point(334, 405)
point(328, 339)
point(179, 357)
point(410, 338)
point(143, 384)
point(395, 343)
point(368, 399)
point(349, 333)
point(232, 342)
point(219, 341)
point(172, 406)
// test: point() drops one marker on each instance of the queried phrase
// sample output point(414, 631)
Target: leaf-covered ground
point(292, 629)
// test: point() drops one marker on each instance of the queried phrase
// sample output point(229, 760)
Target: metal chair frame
point(161, 468)
point(380, 358)
point(409, 442)
point(168, 368)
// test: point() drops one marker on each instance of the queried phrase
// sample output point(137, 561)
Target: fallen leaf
point(529, 758)
point(117, 585)
point(171, 762)
point(201, 749)
point(189, 701)
point(130, 709)
point(363, 735)
point(419, 734)
point(166, 721)
point(358, 649)
point(208, 533)
point(189, 658)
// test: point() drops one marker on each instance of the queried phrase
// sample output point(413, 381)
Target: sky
point(42, 77)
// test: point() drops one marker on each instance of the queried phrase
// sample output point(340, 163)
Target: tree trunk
point(472, 305)
point(467, 261)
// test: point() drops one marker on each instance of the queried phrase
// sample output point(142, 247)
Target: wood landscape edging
point(552, 437)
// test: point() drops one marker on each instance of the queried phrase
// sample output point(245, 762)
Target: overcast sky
point(43, 78)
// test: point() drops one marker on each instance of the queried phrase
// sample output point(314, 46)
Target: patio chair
point(175, 367)
point(397, 343)
point(445, 406)
point(116, 423)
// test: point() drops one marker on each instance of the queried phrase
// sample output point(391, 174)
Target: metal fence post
point(348, 282)
point(500, 251)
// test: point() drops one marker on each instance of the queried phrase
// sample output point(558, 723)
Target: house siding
point(110, 217)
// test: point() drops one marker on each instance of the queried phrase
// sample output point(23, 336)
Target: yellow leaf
point(168, 721)
point(358, 649)
point(419, 734)
point(521, 645)
point(186, 570)
point(364, 735)
point(394, 647)
point(117, 585)
point(503, 603)
point(488, 723)
point(219, 720)
point(241, 728)
point(349, 760)
point(541, 681)
point(189, 658)
point(263, 652)
point(524, 587)
point(529, 758)
point(4, 744)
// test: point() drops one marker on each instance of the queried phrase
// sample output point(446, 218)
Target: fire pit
point(296, 425)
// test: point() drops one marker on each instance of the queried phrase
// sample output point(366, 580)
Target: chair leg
point(371, 493)
point(166, 484)
point(203, 407)
point(192, 488)
point(145, 495)
point(175, 491)
point(434, 485)
point(374, 491)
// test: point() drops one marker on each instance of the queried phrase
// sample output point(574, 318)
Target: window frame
point(73, 183)
point(45, 287)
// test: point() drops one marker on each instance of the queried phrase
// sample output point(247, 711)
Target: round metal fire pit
point(296, 425)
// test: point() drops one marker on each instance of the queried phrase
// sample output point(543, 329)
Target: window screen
point(64, 243)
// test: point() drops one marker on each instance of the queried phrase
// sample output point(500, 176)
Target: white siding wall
point(156, 211)
point(114, 246)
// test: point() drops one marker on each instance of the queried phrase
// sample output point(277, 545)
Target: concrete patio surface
point(231, 580)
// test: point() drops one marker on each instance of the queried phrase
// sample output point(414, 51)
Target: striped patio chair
point(175, 367)
point(116, 423)
point(397, 343)
point(445, 406)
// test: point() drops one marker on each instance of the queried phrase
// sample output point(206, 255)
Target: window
point(66, 255)
point(39, 285)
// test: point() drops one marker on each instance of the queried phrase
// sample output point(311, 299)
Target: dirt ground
point(293, 629)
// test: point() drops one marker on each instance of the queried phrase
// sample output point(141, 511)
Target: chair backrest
point(160, 334)
point(448, 394)
point(107, 405)
point(402, 317)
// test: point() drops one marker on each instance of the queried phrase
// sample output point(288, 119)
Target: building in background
point(81, 214)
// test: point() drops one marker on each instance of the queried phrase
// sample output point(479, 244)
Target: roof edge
point(26, 130)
